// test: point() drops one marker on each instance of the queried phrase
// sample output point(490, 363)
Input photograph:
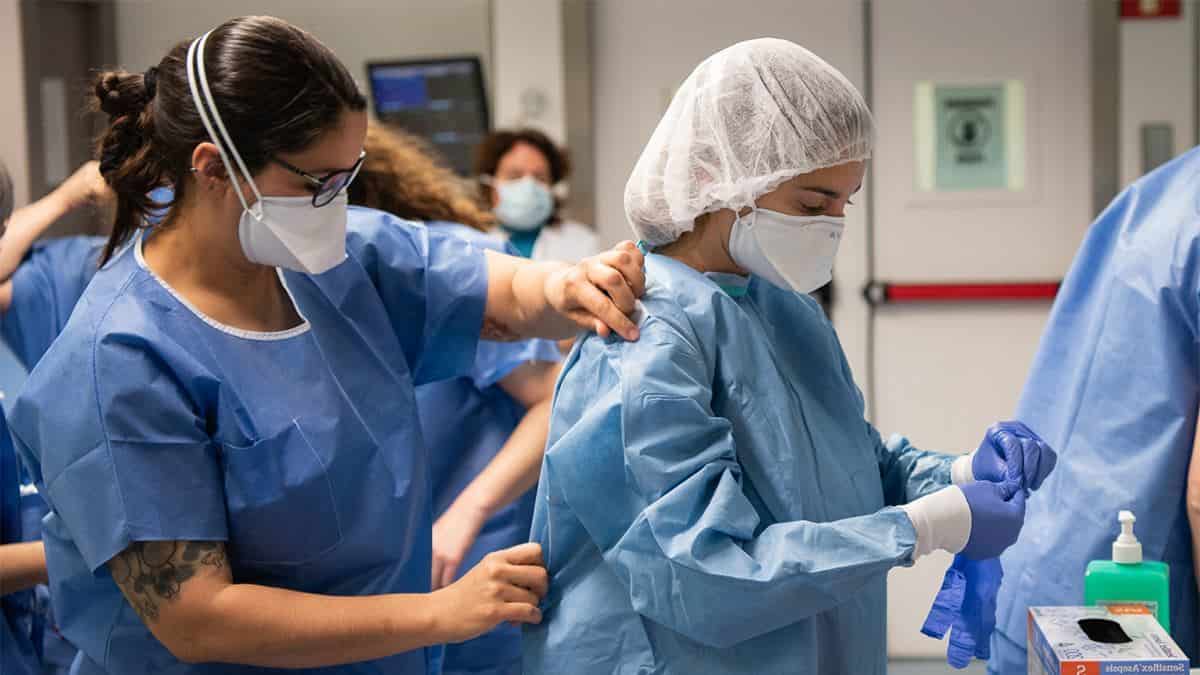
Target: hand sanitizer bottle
point(1127, 581)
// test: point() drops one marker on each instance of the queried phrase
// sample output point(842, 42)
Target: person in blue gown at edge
point(39, 285)
point(712, 499)
point(226, 432)
point(485, 431)
point(1115, 387)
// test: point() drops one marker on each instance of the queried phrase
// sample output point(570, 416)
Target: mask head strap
point(207, 108)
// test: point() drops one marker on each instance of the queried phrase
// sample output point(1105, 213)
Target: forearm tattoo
point(152, 573)
point(495, 331)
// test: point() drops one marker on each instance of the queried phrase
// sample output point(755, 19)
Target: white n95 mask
point(287, 232)
point(292, 234)
point(795, 252)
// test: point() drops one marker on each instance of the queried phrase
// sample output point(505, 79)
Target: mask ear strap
point(197, 82)
point(753, 216)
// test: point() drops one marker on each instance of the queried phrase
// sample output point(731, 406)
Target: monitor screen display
point(440, 100)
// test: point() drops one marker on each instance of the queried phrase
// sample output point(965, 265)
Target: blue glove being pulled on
point(979, 519)
point(1004, 441)
point(996, 518)
point(966, 607)
point(997, 512)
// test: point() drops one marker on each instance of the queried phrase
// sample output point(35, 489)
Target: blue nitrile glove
point(1007, 439)
point(967, 601)
point(997, 512)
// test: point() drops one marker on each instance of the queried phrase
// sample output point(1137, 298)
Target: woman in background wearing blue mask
point(712, 498)
point(518, 171)
point(226, 431)
point(485, 430)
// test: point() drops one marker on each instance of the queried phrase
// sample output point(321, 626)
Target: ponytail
point(128, 162)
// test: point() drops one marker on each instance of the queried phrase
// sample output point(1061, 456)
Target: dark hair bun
point(121, 93)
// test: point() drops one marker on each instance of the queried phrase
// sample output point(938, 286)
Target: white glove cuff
point(942, 521)
point(961, 471)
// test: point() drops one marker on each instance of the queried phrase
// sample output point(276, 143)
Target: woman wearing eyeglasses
point(225, 432)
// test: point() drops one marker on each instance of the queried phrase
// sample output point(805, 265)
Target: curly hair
point(400, 175)
point(498, 143)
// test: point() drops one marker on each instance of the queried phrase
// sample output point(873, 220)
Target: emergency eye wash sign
point(1097, 641)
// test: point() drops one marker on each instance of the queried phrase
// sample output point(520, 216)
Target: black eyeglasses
point(329, 185)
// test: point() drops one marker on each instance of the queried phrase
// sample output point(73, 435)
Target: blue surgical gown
point(712, 499)
point(1114, 388)
point(147, 420)
point(466, 421)
point(45, 288)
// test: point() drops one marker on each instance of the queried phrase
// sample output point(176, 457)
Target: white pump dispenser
point(1127, 550)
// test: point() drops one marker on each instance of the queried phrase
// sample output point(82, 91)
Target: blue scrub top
point(1114, 389)
point(466, 421)
point(19, 653)
point(300, 448)
point(523, 241)
point(45, 288)
point(712, 499)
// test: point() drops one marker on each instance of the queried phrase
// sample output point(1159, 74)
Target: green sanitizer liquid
point(1127, 583)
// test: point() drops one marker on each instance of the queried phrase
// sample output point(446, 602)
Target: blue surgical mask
point(525, 204)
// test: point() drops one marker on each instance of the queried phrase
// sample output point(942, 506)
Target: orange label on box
point(1080, 668)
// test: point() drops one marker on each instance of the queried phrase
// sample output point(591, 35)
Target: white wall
point(358, 31)
point(528, 66)
point(944, 373)
point(14, 149)
point(1027, 236)
point(1157, 84)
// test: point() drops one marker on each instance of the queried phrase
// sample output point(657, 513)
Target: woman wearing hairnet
point(712, 499)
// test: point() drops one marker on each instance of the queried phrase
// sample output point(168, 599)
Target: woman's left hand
point(600, 293)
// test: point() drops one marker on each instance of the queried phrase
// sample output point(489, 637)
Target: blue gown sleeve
point(908, 472)
point(652, 474)
point(121, 454)
point(494, 361)
point(45, 288)
point(433, 286)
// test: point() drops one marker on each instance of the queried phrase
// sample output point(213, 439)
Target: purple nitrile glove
point(1005, 440)
point(966, 602)
point(997, 512)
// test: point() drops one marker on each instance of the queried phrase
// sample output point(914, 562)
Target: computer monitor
point(440, 100)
